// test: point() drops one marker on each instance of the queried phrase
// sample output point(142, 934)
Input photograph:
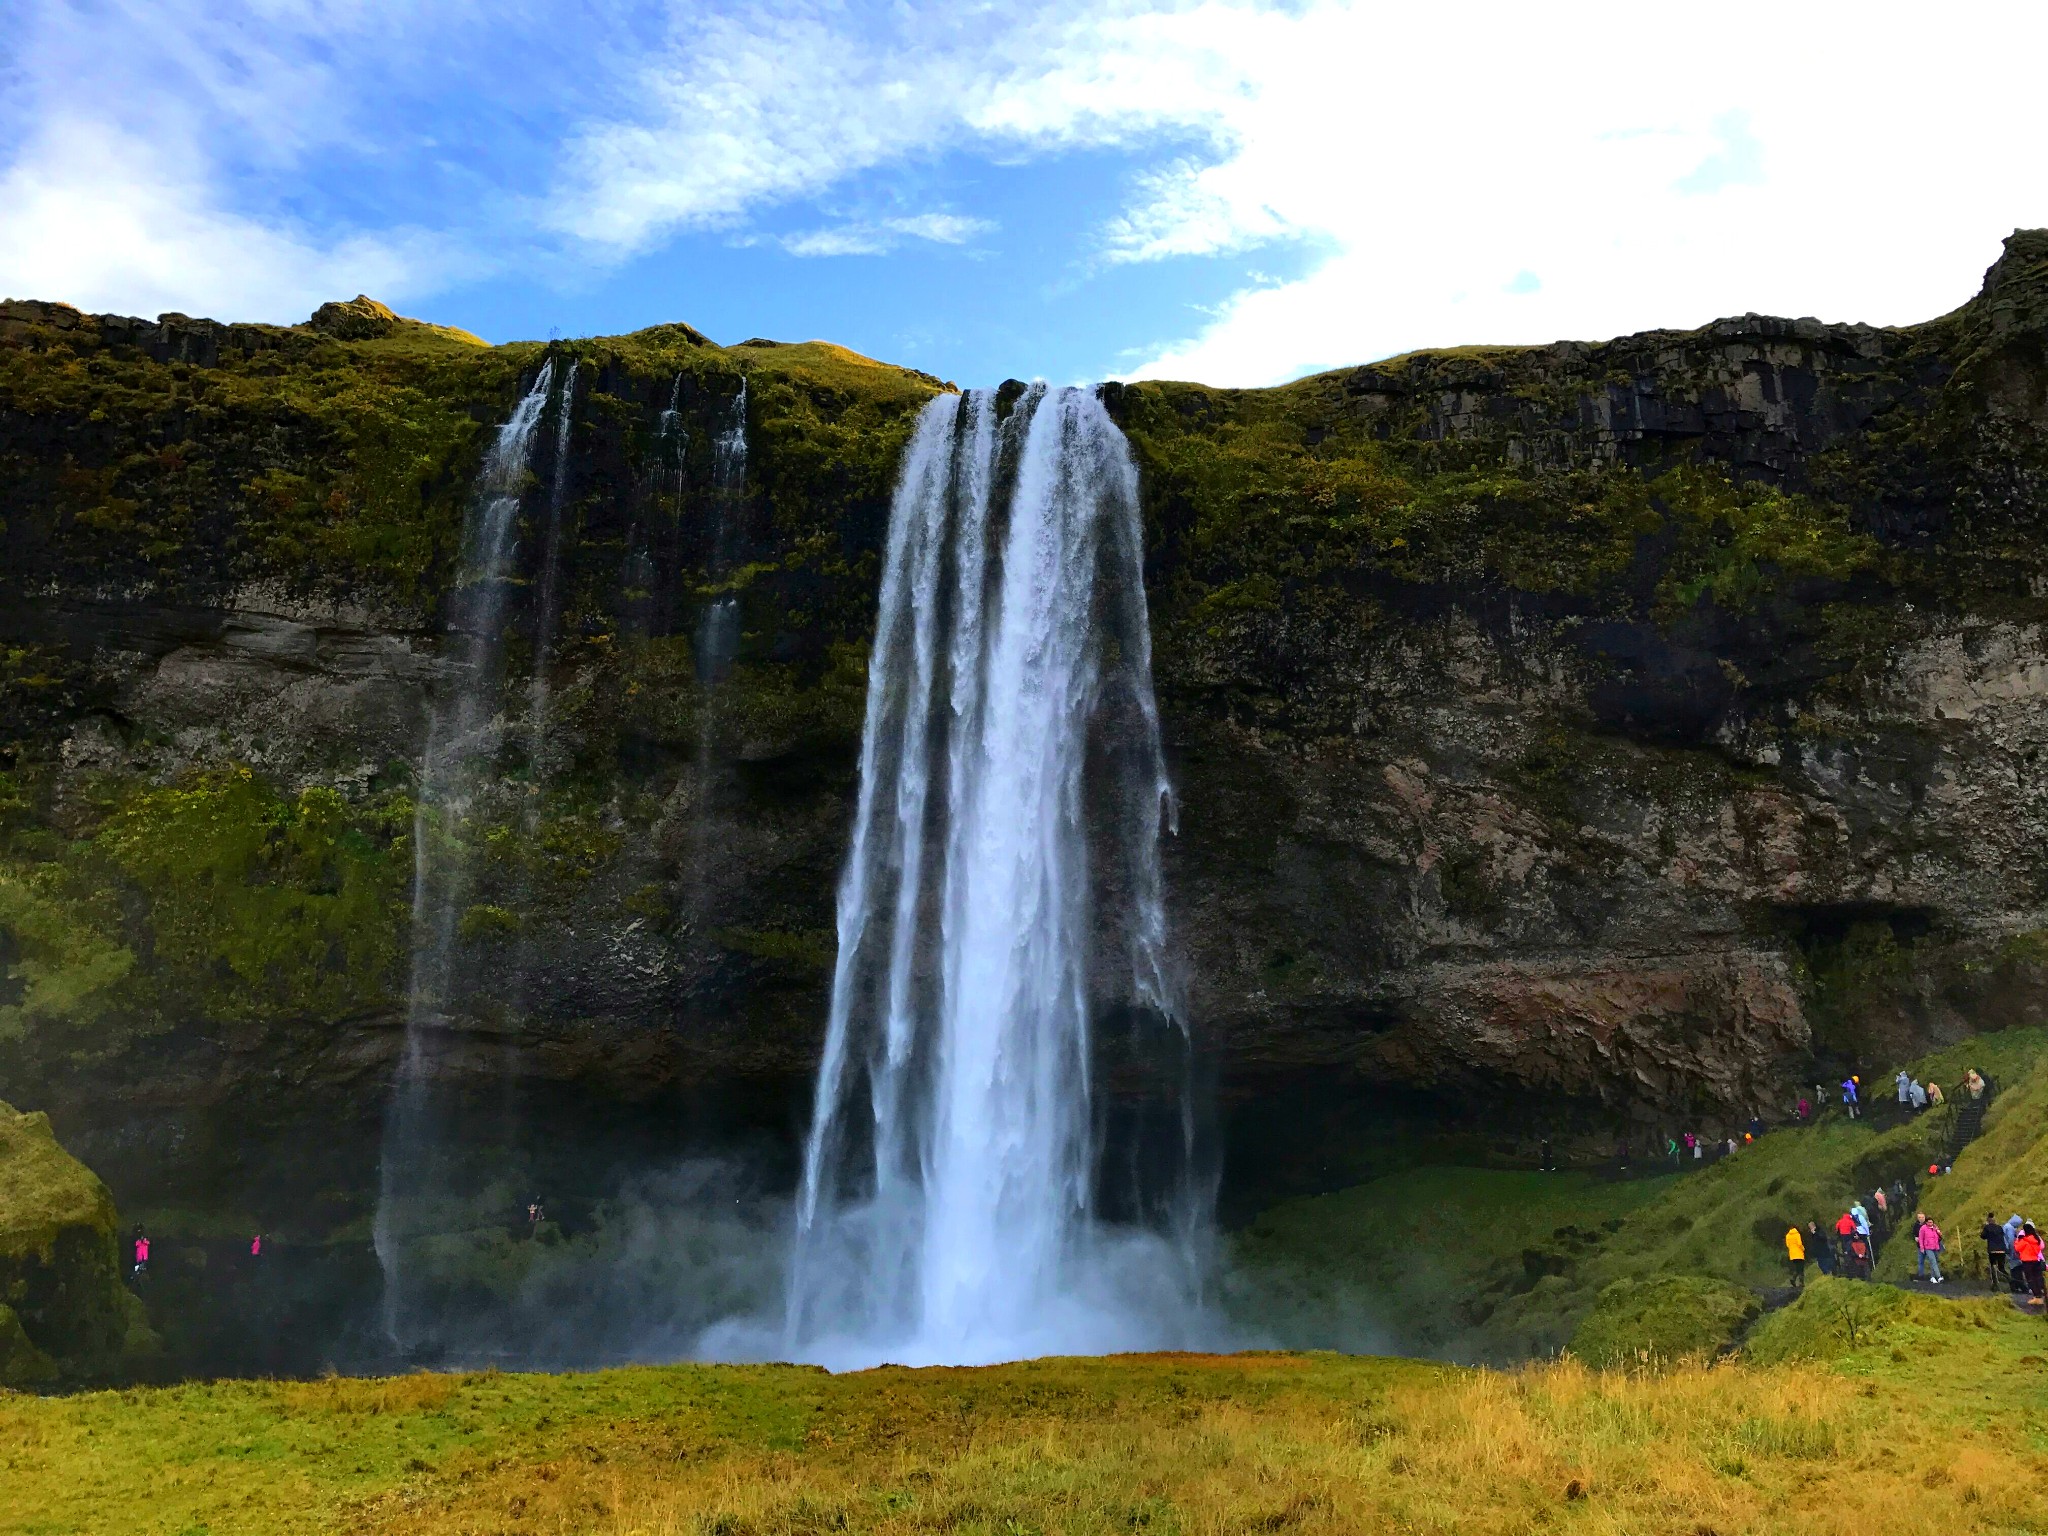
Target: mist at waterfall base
point(1002, 1159)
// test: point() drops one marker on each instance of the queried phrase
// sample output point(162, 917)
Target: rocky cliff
point(1600, 735)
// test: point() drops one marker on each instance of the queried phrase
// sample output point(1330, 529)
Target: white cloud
point(106, 222)
point(1853, 159)
point(739, 112)
point(1646, 175)
point(149, 144)
point(877, 237)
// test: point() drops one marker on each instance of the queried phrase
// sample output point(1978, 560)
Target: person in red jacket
point(2028, 1251)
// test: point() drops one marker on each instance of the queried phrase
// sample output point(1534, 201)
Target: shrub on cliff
point(1663, 1319)
point(64, 1313)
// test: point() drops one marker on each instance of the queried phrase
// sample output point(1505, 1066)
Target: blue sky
point(1232, 190)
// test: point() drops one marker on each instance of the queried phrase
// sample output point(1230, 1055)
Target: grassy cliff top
point(44, 1190)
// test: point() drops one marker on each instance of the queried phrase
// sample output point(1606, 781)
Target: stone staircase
point(1969, 1123)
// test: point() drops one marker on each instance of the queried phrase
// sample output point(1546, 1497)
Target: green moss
point(1738, 545)
point(63, 963)
point(1416, 1260)
point(262, 905)
point(1663, 1319)
point(63, 1310)
point(487, 920)
point(810, 951)
point(1836, 1319)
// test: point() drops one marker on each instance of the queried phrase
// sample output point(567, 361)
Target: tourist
point(1850, 1085)
point(1795, 1256)
point(1905, 1091)
point(1671, 1149)
point(1862, 1219)
point(2028, 1251)
point(1918, 1096)
point(1859, 1257)
point(1845, 1233)
point(1927, 1238)
point(141, 1248)
point(1880, 1220)
point(1756, 1127)
point(256, 1247)
point(1805, 1109)
point(1994, 1251)
point(1934, 1098)
point(1822, 1250)
point(1974, 1083)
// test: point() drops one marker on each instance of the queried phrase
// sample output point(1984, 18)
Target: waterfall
point(718, 627)
point(948, 1204)
point(548, 604)
point(461, 740)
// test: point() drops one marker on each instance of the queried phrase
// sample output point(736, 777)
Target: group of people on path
point(2014, 1252)
point(1850, 1246)
point(2014, 1249)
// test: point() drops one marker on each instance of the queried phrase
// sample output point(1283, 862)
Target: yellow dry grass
point(1940, 1437)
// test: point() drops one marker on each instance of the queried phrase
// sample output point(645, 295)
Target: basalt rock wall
point(1613, 735)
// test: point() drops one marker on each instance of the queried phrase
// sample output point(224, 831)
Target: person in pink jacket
point(1928, 1239)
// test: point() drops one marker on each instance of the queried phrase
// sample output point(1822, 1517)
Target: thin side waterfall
point(718, 628)
point(461, 740)
point(948, 1208)
point(548, 604)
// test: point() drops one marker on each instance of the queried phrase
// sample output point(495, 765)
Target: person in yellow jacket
point(1795, 1256)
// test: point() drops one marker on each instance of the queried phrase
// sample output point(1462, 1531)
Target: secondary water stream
point(462, 740)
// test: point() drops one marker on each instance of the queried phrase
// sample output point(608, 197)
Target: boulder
point(64, 1313)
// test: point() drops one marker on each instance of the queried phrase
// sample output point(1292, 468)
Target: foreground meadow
point(1887, 1412)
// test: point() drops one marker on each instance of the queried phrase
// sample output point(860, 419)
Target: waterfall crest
point(948, 1210)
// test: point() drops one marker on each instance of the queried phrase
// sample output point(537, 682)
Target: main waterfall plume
point(951, 1200)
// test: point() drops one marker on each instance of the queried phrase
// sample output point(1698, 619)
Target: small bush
point(1663, 1319)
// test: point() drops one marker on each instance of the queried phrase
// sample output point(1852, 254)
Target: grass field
point(1931, 1422)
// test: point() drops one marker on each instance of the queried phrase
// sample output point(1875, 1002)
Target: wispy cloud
point(879, 236)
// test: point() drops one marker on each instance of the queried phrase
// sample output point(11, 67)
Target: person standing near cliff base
point(1795, 1256)
point(1927, 1238)
point(1849, 1095)
point(2028, 1251)
point(141, 1254)
point(1995, 1251)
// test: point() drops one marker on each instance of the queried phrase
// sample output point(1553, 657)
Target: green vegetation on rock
point(1661, 1319)
point(64, 1313)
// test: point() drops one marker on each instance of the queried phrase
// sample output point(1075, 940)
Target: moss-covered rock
point(1661, 1319)
point(64, 1312)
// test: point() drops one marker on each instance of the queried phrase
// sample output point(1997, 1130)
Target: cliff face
point(1637, 728)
